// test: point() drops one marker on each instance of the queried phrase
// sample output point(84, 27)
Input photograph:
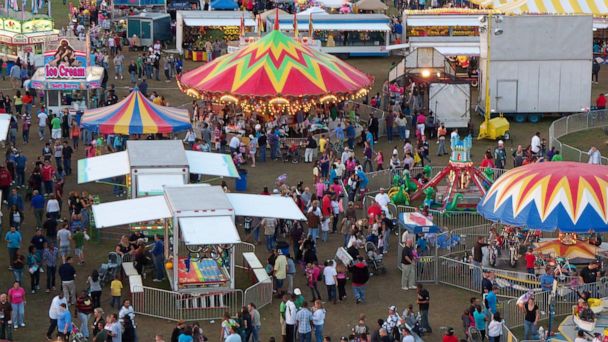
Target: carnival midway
point(299, 170)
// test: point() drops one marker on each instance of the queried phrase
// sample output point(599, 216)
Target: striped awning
point(595, 7)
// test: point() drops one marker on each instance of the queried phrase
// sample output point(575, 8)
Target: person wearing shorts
point(78, 238)
point(64, 236)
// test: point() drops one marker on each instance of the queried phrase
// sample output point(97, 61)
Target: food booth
point(195, 28)
point(22, 33)
point(343, 34)
point(67, 78)
point(150, 27)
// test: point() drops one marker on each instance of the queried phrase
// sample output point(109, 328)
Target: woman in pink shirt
point(16, 296)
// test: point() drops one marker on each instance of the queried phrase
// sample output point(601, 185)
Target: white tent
point(331, 3)
point(312, 10)
point(371, 5)
point(5, 120)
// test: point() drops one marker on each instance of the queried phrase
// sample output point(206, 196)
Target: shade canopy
point(136, 115)
point(569, 196)
point(224, 5)
point(580, 252)
point(547, 6)
point(276, 70)
point(417, 223)
point(371, 5)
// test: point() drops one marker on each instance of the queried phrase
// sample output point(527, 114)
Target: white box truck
point(539, 65)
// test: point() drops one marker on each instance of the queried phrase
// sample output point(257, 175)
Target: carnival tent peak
point(136, 115)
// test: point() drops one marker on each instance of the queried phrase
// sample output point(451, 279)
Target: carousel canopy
point(277, 70)
point(371, 5)
point(136, 115)
point(569, 196)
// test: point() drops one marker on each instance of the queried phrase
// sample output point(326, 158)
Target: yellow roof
point(595, 7)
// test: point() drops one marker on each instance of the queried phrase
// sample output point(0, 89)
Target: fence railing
point(576, 123)
point(177, 306)
point(239, 249)
point(259, 293)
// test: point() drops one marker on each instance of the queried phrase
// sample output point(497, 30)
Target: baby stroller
point(76, 335)
point(474, 335)
point(374, 258)
point(109, 270)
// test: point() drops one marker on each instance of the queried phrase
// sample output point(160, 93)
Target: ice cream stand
point(67, 77)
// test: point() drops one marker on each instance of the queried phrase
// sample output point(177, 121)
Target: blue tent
point(417, 223)
point(224, 5)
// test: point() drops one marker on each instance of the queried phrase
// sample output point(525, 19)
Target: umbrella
point(136, 115)
point(569, 196)
point(580, 252)
point(417, 223)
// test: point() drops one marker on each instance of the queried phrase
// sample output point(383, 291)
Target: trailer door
point(506, 96)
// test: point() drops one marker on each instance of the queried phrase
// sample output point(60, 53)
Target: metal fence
point(259, 293)
point(576, 123)
point(566, 298)
point(177, 306)
point(239, 249)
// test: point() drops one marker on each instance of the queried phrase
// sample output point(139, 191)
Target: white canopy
point(213, 164)
point(338, 26)
point(458, 50)
point(312, 10)
point(331, 3)
point(371, 5)
point(208, 230)
point(265, 206)
point(102, 167)
point(428, 20)
point(5, 120)
point(217, 22)
point(152, 184)
point(130, 211)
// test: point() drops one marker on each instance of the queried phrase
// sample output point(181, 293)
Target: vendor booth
point(26, 36)
point(67, 78)
point(150, 165)
point(343, 34)
point(195, 28)
point(135, 114)
point(200, 255)
point(150, 27)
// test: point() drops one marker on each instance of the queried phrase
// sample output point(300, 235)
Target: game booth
point(200, 253)
point(23, 34)
point(67, 78)
point(568, 197)
point(195, 28)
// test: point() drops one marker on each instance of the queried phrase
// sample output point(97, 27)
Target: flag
point(295, 25)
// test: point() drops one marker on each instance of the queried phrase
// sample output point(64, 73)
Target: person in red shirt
point(449, 336)
point(600, 103)
point(5, 182)
point(488, 161)
point(530, 260)
point(47, 173)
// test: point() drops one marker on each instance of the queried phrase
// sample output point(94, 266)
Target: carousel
point(274, 75)
point(568, 197)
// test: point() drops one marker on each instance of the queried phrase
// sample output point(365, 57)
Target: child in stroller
point(374, 258)
point(109, 270)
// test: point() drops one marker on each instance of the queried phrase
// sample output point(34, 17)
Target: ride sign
point(64, 71)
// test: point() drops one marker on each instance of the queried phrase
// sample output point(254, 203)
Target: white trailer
point(539, 64)
point(451, 103)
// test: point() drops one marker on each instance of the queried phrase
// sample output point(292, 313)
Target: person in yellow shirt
point(158, 100)
point(280, 271)
point(322, 144)
point(116, 291)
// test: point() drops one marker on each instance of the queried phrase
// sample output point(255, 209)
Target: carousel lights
point(279, 101)
point(328, 98)
point(229, 98)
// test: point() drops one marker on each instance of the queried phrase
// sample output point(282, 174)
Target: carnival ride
point(459, 186)
point(565, 196)
point(276, 74)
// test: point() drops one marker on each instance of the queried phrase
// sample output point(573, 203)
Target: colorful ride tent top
point(569, 196)
point(598, 8)
point(136, 115)
point(276, 73)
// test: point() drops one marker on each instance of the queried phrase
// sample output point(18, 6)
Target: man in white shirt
point(330, 277)
point(290, 319)
point(595, 157)
point(54, 313)
point(42, 116)
point(535, 143)
point(234, 144)
point(383, 200)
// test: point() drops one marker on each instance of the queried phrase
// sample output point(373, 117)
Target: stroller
point(474, 335)
point(109, 270)
point(374, 258)
point(76, 335)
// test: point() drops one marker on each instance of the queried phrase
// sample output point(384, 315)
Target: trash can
point(240, 184)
